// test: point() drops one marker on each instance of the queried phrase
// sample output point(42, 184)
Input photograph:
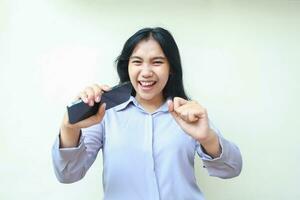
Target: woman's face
point(148, 70)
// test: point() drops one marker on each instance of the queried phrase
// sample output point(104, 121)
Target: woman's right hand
point(90, 95)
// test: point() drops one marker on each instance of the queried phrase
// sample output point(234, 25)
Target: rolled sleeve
point(228, 164)
point(71, 164)
point(64, 155)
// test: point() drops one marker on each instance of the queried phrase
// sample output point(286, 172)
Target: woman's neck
point(150, 105)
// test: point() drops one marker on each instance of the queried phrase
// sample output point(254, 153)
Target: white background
point(240, 60)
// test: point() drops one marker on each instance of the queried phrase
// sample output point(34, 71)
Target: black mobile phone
point(79, 110)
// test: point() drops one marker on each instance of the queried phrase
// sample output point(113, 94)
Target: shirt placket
point(149, 145)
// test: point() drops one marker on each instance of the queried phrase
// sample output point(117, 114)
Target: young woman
point(149, 142)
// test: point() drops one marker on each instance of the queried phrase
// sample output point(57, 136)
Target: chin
point(146, 96)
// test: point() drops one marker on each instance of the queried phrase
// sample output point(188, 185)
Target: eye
point(158, 62)
point(136, 62)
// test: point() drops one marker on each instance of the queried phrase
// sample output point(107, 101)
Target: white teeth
point(144, 83)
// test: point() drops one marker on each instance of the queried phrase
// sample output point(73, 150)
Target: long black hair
point(174, 86)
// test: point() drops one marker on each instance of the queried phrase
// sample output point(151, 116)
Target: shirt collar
point(162, 108)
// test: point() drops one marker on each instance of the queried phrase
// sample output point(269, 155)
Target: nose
point(146, 71)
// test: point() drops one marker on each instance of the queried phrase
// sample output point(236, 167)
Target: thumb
point(101, 112)
point(170, 105)
point(171, 109)
point(101, 109)
point(93, 119)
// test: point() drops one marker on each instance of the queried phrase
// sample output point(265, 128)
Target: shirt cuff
point(205, 157)
point(62, 156)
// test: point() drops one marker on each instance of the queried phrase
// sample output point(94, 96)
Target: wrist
point(69, 137)
point(210, 137)
point(69, 129)
point(211, 144)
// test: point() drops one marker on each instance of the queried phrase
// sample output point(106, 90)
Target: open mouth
point(146, 85)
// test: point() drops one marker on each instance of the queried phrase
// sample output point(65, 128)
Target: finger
point(83, 96)
point(101, 109)
point(197, 115)
point(184, 115)
point(104, 87)
point(170, 105)
point(181, 110)
point(99, 89)
point(99, 115)
point(192, 118)
point(93, 119)
point(178, 101)
point(90, 95)
point(98, 92)
point(171, 110)
point(200, 112)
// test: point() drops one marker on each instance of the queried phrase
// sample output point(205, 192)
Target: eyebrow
point(156, 57)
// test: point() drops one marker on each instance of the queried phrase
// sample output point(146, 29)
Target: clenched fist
point(193, 119)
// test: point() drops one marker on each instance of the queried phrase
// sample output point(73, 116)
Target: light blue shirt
point(146, 156)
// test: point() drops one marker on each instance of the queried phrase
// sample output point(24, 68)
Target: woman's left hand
point(191, 117)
